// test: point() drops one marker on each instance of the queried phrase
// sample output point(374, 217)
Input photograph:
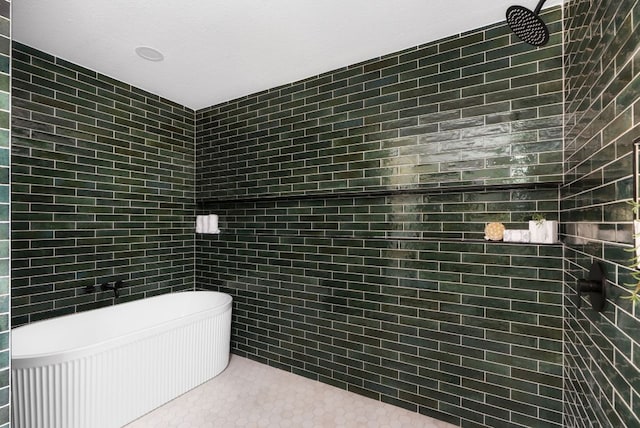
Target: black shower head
point(527, 25)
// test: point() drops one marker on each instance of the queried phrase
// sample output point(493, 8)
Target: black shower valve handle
point(587, 286)
point(595, 286)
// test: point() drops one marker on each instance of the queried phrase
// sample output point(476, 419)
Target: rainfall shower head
point(527, 25)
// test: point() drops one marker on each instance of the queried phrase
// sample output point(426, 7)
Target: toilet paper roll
point(213, 224)
point(200, 224)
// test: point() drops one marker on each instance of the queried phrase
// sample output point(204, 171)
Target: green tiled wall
point(477, 108)
point(602, 66)
point(334, 276)
point(352, 240)
point(102, 187)
point(466, 332)
point(5, 274)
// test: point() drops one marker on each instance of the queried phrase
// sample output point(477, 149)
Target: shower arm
point(539, 7)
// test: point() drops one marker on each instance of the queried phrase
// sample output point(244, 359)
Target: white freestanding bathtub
point(106, 367)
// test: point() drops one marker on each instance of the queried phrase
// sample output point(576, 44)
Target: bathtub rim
point(43, 359)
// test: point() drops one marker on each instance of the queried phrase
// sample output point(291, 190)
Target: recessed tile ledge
point(205, 202)
point(226, 234)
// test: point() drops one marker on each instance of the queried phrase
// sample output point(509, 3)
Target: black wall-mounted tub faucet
point(115, 287)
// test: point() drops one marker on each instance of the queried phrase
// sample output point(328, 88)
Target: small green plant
point(635, 288)
point(538, 218)
point(635, 262)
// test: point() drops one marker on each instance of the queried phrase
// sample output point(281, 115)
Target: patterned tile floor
point(250, 394)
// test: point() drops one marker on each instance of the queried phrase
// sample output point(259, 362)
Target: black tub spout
point(115, 287)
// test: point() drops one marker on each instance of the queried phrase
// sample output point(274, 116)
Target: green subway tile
point(327, 266)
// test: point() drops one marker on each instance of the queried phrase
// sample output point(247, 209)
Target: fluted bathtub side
point(110, 386)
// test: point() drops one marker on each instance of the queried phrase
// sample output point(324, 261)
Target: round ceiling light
point(150, 54)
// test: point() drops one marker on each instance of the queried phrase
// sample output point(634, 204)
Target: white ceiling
point(217, 50)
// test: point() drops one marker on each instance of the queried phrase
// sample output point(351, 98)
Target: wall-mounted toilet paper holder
point(595, 285)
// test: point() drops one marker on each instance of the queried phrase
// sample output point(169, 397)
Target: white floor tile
point(250, 394)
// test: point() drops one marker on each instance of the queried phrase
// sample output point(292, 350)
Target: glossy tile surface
point(111, 168)
point(251, 394)
point(602, 118)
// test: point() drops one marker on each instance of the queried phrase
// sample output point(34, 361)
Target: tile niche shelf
point(443, 213)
